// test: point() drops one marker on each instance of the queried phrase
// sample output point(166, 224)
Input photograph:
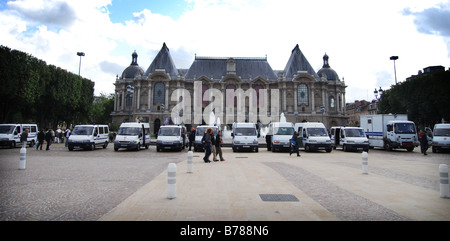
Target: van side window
point(100, 130)
point(389, 128)
point(33, 129)
point(106, 129)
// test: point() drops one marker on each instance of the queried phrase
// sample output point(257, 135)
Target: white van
point(89, 137)
point(245, 137)
point(132, 135)
point(10, 134)
point(171, 137)
point(315, 136)
point(441, 137)
point(279, 135)
point(349, 138)
point(199, 131)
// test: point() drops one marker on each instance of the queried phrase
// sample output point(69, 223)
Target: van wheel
point(31, 143)
point(70, 148)
point(146, 146)
point(105, 145)
point(138, 147)
point(93, 147)
point(345, 148)
point(307, 148)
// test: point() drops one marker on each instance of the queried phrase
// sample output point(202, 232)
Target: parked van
point(132, 135)
point(349, 138)
point(279, 135)
point(245, 137)
point(441, 137)
point(89, 137)
point(171, 137)
point(315, 136)
point(10, 134)
point(199, 131)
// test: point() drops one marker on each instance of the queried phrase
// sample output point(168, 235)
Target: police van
point(10, 134)
point(245, 137)
point(171, 137)
point(441, 137)
point(279, 136)
point(89, 137)
point(315, 136)
point(349, 138)
point(132, 135)
point(199, 131)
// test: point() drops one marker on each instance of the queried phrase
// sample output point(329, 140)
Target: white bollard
point(444, 185)
point(23, 158)
point(365, 163)
point(189, 161)
point(172, 181)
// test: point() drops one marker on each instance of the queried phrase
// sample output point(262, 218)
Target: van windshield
point(7, 129)
point(201, 130)
point(82, 130)
point(354, 133)
point(129, 131)
point(405, 128)
point(283, 130)
point(245, 131)
point(441, 132)
point(317, 131)
point(169, 131)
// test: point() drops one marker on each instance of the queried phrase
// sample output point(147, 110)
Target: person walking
point(24, 138)
point(296, 142)
point(213, 145)
point(191, 137)
point(67, 135)
point(48, 139)
point(40, 138)
point(219, 142)
point(207, 145)
point(423, 142)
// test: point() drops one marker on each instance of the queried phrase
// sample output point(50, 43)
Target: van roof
point(310, 124)
point(245, 124)
point(125, 124)
point(441, 125)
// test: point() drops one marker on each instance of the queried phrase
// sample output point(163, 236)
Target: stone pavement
point(268, 186)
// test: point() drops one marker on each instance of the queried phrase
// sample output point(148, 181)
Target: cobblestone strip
point(346, 205)
point(400, 176)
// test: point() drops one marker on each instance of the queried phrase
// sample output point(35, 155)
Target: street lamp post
point(130, 91)
point(395, 71)
point(380, 91)
point(81, 54)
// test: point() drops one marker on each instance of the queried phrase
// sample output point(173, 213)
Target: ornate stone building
point(304, 94)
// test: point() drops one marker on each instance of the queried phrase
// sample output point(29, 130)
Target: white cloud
point(359, 37)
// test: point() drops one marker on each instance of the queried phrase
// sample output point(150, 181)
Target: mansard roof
point(163, 60)
point(216, 67)
point(298, 62)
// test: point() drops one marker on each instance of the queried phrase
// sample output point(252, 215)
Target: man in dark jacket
point(191, 137)
point(24, 138)
point(40, 138)
point(423, 142)
point(48, 139)
point(298, 143)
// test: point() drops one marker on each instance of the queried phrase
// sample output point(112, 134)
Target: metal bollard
point(444, 185)
point(23, 158)
point(172, 181)
point(189, 161)
point(365, 163)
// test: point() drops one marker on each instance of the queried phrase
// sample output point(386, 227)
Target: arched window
point(302, 95)
point(158, 93)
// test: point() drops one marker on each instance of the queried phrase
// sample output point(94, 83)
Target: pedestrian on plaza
point(207, 144)
point(296, 142)
point(423, 139)
point(67, 134)
point(191, 137)
point(24, 137)
point(213, 145)
point(219, 142)
point(40, 139)
point(48, 139)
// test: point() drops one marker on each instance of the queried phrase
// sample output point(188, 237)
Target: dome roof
point(327, 70)
point(133, 70)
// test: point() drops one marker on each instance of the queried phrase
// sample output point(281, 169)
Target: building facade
point(304, 94)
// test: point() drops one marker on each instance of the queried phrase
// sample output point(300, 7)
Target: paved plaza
point(264, 186)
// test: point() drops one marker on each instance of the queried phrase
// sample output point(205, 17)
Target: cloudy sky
point(359, 36)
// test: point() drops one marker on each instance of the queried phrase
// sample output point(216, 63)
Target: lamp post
point(81, 54)
point(395, 71)
point(375, 92)
point(130, 91)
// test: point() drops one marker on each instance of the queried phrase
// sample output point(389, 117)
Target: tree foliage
point(32, 91)
point(425, 98)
